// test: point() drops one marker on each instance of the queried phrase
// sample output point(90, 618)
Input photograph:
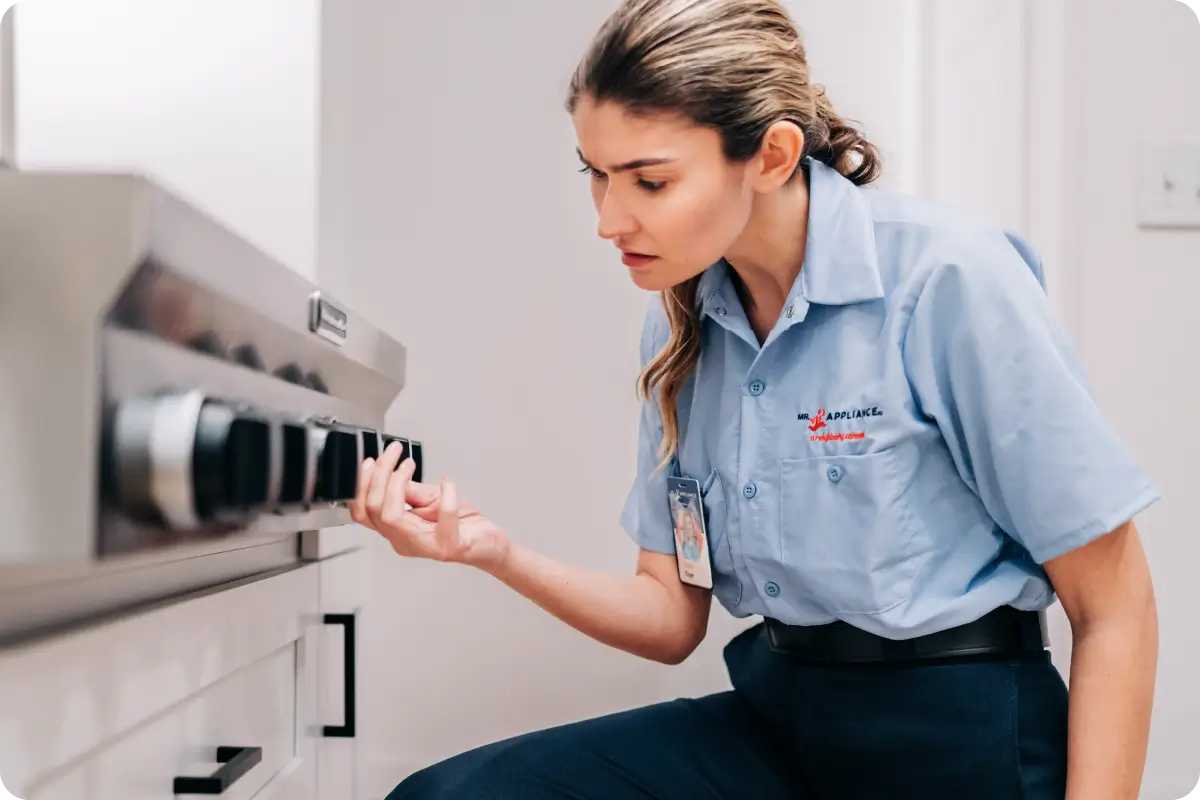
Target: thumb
point(447, 521)
point(420, 494)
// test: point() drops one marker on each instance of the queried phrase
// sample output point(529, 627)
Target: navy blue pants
point(967, 730)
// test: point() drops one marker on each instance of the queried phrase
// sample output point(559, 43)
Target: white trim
point(1048, 146)
point(924, 100)
point(8, 87)
point(976, 145)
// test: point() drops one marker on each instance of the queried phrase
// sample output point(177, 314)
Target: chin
point(649, 281)
point(659, 277)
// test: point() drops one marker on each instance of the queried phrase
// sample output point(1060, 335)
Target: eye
point(595, 173)
point(652, 186)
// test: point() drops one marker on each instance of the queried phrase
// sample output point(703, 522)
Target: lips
point(637, 259)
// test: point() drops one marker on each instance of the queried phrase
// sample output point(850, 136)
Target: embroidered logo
point(822, 419)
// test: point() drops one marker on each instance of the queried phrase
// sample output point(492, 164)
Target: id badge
point(691, 536)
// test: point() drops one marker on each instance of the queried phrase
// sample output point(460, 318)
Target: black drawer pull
point(348, 728)
point(235, 761)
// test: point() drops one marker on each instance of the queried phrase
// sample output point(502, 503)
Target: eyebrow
point(638, 163)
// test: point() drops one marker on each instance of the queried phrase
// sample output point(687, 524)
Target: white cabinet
point(251, 713)
point(120, 710)
point(269, 666)
point(344, 586)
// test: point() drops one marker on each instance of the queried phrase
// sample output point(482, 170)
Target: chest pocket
point(848, 537)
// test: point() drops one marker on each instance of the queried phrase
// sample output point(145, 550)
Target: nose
point(614, 220)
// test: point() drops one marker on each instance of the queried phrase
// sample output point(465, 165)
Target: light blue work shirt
point(909, 446)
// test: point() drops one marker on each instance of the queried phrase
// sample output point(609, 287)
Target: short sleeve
point(990, 362)
point(646, 516)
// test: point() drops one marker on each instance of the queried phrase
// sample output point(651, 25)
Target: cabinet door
point(344, 586)
point(72, 697)
point(253, 708)
point(296, 783)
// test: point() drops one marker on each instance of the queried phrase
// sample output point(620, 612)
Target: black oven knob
point(185, 460)
point(298, 465)
point(338, 450)
point(372, 443)
point(405, 447)
point(231, 463)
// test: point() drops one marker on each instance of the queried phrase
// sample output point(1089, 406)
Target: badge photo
point(691, 535)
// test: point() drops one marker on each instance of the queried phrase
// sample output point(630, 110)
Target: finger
point(447, 522)
point(428, 513)
point(358, 506)
point(394, 509)
point(420, 494)
point(377, 491)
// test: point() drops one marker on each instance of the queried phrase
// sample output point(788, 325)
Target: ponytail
point(838, 143)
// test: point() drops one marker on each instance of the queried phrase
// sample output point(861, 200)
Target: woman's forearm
point(1113, 668)
point(637, 614)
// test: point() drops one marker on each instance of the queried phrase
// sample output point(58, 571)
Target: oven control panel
point(187, 460)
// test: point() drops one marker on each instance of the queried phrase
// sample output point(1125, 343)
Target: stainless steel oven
point(176, 408)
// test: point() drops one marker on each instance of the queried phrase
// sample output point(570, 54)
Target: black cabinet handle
point(235, 761)
point(347, 729)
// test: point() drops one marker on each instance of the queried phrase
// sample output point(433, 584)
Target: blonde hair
point(736, 66)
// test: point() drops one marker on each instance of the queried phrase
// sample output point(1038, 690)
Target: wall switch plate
point(1169, 185)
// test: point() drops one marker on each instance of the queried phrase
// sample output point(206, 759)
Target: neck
point(768, 256)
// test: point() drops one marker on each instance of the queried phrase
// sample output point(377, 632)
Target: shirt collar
point(841, 263)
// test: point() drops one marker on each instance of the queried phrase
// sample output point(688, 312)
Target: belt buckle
point(772, 639)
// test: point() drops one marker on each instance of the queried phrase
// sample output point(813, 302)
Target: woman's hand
point(438, 526)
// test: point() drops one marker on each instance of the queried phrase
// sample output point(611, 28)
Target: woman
point(899, 461)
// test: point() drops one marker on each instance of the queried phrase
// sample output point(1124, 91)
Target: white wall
point(1134, 73)
point(215, 98)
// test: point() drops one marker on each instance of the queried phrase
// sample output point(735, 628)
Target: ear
point(780, 152)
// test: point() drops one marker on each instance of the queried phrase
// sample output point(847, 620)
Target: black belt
point(1003, 632)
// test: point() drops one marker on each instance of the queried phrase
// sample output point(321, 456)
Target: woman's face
point(665, 193)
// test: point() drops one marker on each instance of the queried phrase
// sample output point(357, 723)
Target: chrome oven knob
point(187, 460)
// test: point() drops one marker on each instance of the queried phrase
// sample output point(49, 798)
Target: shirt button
point(749, 490)
point(772, 589)
point(721, 312)
point(835, 473)
point(757, 388)
point(790, 311)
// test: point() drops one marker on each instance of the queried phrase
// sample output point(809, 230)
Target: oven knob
point(186, 460)
point(298, 465)
point(338, 457)
point(231, 463)
point(291, 373)
point(315, 382)
point(405, 447)
point(371, 443)
point(247, 355)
